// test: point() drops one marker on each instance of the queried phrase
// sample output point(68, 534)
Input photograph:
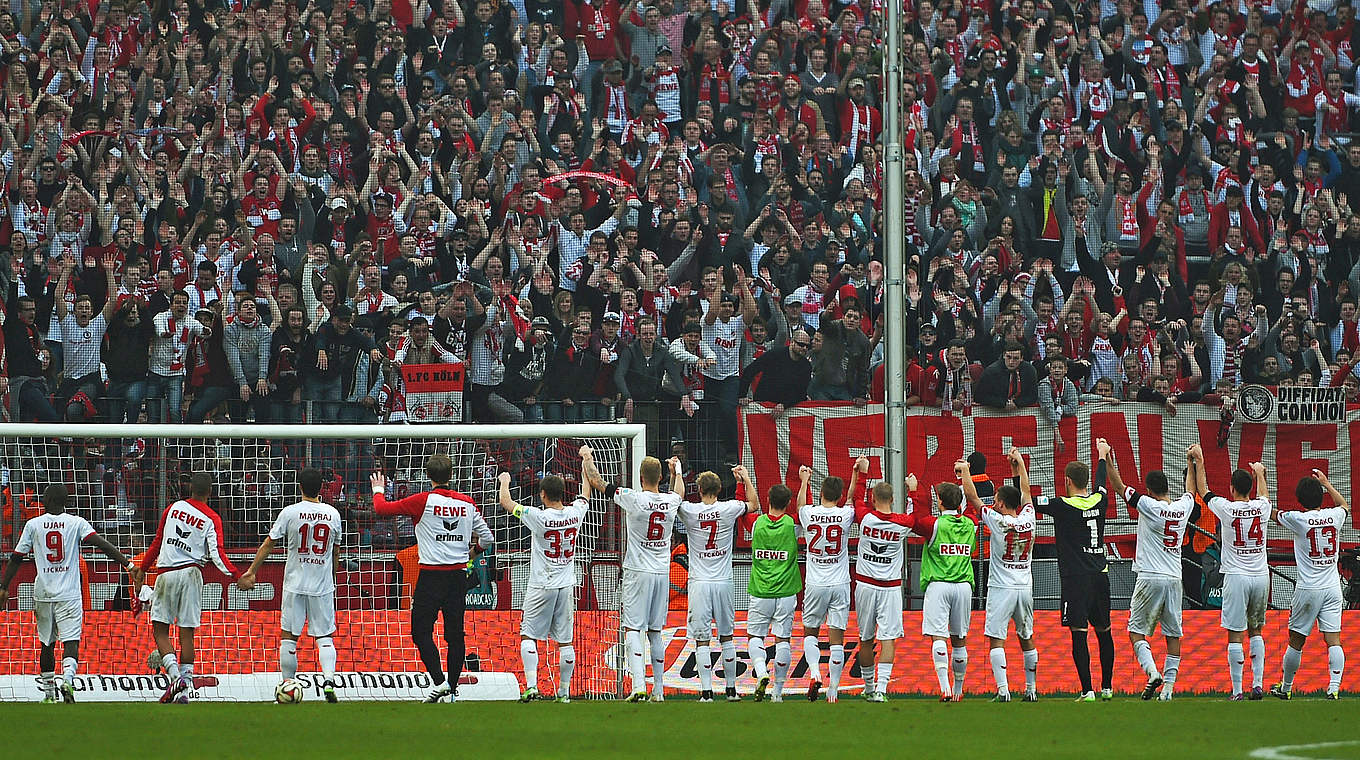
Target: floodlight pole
point(894, 264)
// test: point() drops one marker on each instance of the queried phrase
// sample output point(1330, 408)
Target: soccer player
point(54, 539)
point(1010, 583)
point(550, 599)
point(947, 579)
point(1079, 532)
point(1246, 574)
point(189, 534)
point(450, 531)
point(826, 599)
point(649, 516)
point(710, 525)
point(1157, 594)
point(773, 587)
point(1317, 597)
point(878, 584)
point(310, 529)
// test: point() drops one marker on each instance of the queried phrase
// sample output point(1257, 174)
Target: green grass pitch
point(1190, 727)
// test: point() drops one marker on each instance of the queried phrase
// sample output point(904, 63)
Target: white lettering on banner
point(1258, 403)
point(259, 687)
point(827, 437)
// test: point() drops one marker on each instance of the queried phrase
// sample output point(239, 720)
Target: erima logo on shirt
point(770, 554)
point(878, 548)
point(450, 526)
point(182, 533)
point(956, 550)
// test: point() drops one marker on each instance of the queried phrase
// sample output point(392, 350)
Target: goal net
point(122, 477)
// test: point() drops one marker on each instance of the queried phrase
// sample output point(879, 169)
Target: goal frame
point(633, 436)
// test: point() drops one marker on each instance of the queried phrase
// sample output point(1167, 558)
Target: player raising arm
point(189, 534)
point(773, 587)
point(1317, 597)
point(710, 525)
point(1010, 584)
point(1246, 574)
point(1157, 561)
point(449, 533)
point(310, 529)
point(826, 598)
point(54, 539)
point(649, 516)
point(549, 601)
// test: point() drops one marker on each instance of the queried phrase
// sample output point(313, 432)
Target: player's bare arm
point(1262, 487)
point(1201, 479)
point(752, 498)
point(1103, 446)
point(1191, 468)
point(589, 471)
point(503, 495)
point(111, 551)
point(677, 480)
point(965, 475)
point(11, 569)
point(1337, 499)
point(804, 476)
point(586, 453)
point(857, 472)
point(247, 579)
point(1019, 470)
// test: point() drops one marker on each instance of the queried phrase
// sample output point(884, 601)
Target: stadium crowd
point(662, 211)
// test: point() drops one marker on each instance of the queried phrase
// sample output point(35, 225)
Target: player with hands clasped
point(1317, 597)
point(54, 539)
point(550, 599)
point(826, 598)
point(947, 579)
point(310, 529)
point(1246, 574)
point(1010, 582)
point(878, 582)
point(649, 516)
point(1157, 594)
point(450, 531)
point(710, 525)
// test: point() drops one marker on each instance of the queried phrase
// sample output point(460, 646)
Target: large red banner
point(827, 437)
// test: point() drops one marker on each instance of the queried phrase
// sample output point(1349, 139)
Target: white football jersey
point(1317, 534)
point(1012, 542)
point(447, 525)
point(827, 530)
point(649, 516)
point(190, 533)
point(711, 528)
point(312, 529)
point(1243, 527)
point(554, 534)
point(1161, 531)
point(54, 541)
point(878, 557)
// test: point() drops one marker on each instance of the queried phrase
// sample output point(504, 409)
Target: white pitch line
point(1284, 751)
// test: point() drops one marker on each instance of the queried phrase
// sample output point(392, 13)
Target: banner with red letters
point(434, 392)
point(1144, 437)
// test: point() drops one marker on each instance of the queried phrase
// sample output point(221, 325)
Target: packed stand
point(663, 212)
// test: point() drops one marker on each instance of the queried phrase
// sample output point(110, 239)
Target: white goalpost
point(121, 477)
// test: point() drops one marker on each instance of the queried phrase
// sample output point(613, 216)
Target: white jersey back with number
point(710, 528)
point(554, 534)
point(649, 516)
point(311, 529)
point(1317, 535)
point(1161, 531)
point(1012, 542)
point(827, 530)
point(54, 541)
point(1244, 534)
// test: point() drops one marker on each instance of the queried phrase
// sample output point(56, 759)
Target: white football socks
point(836, 667)
point(783, 657)
point(884, 675)
point(703, 657)
point(186, 671)
point(1258, 661)
point(812, 655)
point(755, 647)
point(1143, 651)
point(68, 669)
point(528, 654)
point(729, 656)
point(1292, 659)
point(1170, 669)
point(1031, 670)
point(566, 663)
point(998, 657)
point(658, 652)
point(171, 664)
point(327, 655)
point(1336, 666)
point(1236, 659)
point(960, 669)
point(939, 655)
point(637, 668)
point(288, 658)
